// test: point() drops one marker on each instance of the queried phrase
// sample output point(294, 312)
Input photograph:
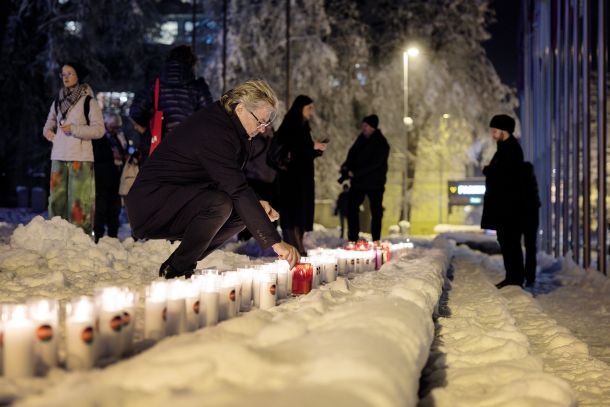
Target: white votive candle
point(176, 308)
point(19, 358)
point(45, 315)
point(155, 312)
point(227, 307)
point(210, 296)
point(268, 288)
point(110, 314)
point(81, 337)
point(245, 276)
point(193, 306)
point(129, 300)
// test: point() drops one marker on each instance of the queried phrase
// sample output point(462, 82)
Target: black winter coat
point(180, 95)
point(209, 151)
point(367, 159)
point(297, 185)
point(503, 200)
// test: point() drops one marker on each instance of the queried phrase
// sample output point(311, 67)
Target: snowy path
point(480, 356)
point(531, 354)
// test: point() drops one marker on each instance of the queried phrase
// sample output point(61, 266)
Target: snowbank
point(361, 342)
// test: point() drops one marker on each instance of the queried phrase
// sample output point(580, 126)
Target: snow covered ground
point(362, 341)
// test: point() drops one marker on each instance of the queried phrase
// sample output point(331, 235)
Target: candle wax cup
point(155, 316)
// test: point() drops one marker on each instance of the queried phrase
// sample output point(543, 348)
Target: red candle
point(302, 277)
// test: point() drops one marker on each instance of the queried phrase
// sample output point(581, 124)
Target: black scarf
point(69, 96)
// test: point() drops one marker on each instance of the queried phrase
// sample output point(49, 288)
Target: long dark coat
point(297, 185)
point(209, 151)
point(503, 201)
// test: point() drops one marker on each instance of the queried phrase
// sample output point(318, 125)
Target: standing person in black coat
point(530, 220)
point(110, 153)
point(503, 197)
point(180, 95)
point(366, 166)
point(296, 185)
point(193, 188)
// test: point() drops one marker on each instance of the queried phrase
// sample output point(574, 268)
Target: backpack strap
point(86, 108)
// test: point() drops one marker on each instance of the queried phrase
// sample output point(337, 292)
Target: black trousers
point(107, 210)
point(203, 224)
point(294, 236)
point(356, 197)
point(530, 234)
point(509, 238)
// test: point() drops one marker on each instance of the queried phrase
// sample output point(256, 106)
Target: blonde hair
point(253, 94)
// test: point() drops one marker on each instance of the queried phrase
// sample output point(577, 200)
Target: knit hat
point(503, 122)
point(81, 70)
point(371, 120)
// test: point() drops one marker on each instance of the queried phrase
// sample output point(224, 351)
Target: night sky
point(503, 47)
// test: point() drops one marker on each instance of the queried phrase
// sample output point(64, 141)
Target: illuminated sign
point(466, 192)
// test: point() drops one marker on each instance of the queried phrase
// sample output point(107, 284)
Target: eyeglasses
point(65, 75)
point(262, 125)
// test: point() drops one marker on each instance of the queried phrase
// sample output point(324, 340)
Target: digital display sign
point(466, 192)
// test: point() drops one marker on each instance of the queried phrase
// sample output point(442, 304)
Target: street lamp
point(408, 121)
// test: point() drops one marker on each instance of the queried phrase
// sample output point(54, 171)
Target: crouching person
point(193, 188)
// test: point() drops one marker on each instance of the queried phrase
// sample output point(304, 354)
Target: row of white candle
point(102, 327)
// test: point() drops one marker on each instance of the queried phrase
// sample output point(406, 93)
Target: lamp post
point(408, 121)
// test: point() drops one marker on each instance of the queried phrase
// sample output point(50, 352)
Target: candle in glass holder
point(245, 276)
point(193, 306)
point(110, 315)
point(302, 276)
point(210, 293)
point(2, 316)
point(176, 308)
point(45, 315)
point(342, 262)
point(81, 336)
point(19, 358)
point(282, 266)
point(227, 304)
point(155, 310)
point(128, 305)
point(235, 276)
point(282, 282)
point(268, 288)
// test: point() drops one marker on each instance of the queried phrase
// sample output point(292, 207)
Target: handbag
point(156, 123)
point(128, 176)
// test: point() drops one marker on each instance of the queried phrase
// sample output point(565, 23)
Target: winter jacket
point(110, 155)
point(367, 159)
point(77, 146)
point(207, 151)
point(503, 200)
point(180, 95)
point(297, 185)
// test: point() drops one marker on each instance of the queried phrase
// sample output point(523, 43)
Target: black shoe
point(504, 283)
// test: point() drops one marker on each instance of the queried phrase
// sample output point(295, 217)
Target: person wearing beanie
point(503, 197)
point(74, 120)
point(366, 167)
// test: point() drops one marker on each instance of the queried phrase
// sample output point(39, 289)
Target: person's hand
point(67, 129)
point(137, 127)
point(350, 174)
point(319, 146)
point(287, 252)
point(271, 213)
point(50, 135)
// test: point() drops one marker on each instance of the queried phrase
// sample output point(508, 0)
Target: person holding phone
point(366, 167)
point(296, 183)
